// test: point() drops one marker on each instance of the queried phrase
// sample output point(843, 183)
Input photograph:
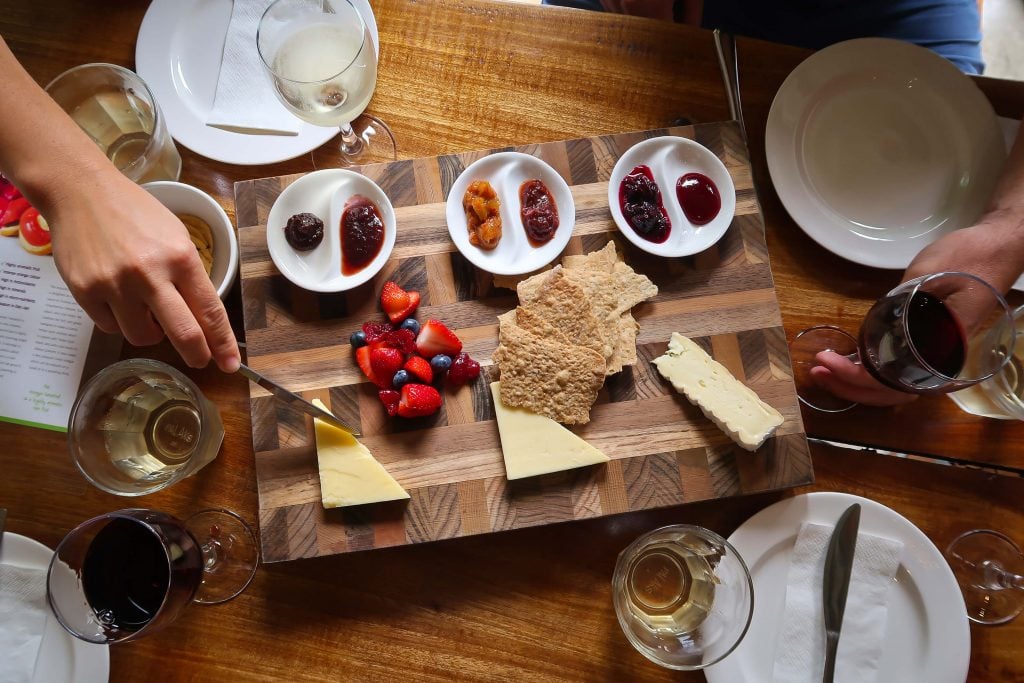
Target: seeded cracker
point(565, 306)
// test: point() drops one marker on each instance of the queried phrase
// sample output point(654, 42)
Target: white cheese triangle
point(349, 474)
point(533, 444)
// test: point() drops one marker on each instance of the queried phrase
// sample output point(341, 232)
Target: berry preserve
point(642, 207)
point(362, 234)
point(699, 198)
point(538, 211)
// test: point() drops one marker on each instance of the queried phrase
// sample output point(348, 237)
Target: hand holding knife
point(295, 400)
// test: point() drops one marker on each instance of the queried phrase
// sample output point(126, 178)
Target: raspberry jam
point(538, 211)
point(642, 207)
point(699, 198)
point(362, 234)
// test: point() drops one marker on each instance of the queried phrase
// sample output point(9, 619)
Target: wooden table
point(534, 604)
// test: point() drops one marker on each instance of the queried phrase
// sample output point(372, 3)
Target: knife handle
point(831, 647)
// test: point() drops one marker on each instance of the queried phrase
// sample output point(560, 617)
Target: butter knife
point(296, 400)
point(838, 568)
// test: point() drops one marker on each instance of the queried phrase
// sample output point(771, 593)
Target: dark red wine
point(926, 357)
point(127, 577)
point(699, 197)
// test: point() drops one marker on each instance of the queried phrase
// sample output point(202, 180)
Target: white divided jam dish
point(324, 194)
point(670, 158)
point(506, 172)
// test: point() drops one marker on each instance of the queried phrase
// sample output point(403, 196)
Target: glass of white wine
point(321, 61)
point(683, 596)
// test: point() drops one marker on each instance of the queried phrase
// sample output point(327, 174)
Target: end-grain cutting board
point(663, 450)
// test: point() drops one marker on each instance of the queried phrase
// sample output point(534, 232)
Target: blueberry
point(400, 379)
point(357, 339)
point(411, 324)
point(440, 363)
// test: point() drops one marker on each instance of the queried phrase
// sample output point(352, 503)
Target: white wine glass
point(989, 567)
point(322, 64)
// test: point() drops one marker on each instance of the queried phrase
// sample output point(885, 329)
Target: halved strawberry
point(8, 190)
point(398, 303)
point(420, 368)
point(363, 361)
point(390, 399)
point(418, 400)
point(385, 362)
point(398, 339)
point(435, 338)
point(375, 331)
point(11, 215)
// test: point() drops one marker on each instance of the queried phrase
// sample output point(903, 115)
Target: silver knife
point(838, 567)
point(296, 400)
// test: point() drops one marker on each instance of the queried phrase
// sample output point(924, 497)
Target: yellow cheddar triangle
point(349, 474)
point(533, 444)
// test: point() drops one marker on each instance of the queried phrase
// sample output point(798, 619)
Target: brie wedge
point(726, 401)
point(532, 444)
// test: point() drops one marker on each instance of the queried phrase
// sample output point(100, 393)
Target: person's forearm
point(1006, 206)
point(42, 150)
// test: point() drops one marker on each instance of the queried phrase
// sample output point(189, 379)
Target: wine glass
point(989, 567)
point(321, 61)
point(921, 338)
point(129, 573)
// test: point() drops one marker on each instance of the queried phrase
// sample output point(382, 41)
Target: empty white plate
point(514, 255)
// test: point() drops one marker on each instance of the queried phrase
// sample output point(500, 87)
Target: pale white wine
point(670, 588)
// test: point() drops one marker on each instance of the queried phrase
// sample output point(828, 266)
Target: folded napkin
point(245, 100)
point(800, 651)
point(23, 614)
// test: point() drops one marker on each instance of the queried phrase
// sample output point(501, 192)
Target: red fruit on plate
point(390, 399)
point(375, 331)
point(398, 303)
point(398, 339)
point(418, 400)
point(420, 368)
point(363, 361)
point(11, 215)
point(385, 362)
point(34, 233)
point(7, 190)
point(435, 338)
point(464, 369)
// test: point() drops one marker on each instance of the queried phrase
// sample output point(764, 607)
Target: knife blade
point(295, 400)
point(838, 568)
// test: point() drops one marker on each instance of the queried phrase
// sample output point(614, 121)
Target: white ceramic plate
point(878, 147)
point(928, 637)
point(323, 194)
point(669, 158)
point(178, 54)
point(62, 657)
point(514, 255)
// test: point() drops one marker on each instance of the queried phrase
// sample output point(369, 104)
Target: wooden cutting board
point(663, 450)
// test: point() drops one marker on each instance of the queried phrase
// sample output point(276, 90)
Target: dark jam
point(362, 234)
point(699, 198)
point(640, 201)
point(304, 231)
point(538, 211)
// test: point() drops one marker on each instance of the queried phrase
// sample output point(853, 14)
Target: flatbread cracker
point(601, 260)
point(567, 308)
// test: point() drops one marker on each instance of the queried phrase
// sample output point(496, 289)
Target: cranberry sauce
point(538, 211)
point(642, 207)
point(699, 198)
point(362, 234)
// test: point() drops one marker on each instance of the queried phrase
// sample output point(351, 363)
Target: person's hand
point(131, 266)
point(841, 377)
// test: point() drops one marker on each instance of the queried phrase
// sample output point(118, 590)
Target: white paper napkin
point(245, 100)
point(800, 651)
point(23, 614)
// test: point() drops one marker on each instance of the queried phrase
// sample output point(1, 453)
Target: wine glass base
point(977, 559)
point(803, 349)
point(372, 143)
point(230, 554)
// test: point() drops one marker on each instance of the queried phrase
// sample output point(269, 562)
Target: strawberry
point(374, 331)
point(363, 361)
point(418, 400)
point(398, 303)
point(420, 368)
point(8, 190)
point(398, 339)
point(385, 362)
point(435, 338)
point(464, 369)
point(11, 214)
point(390, 400)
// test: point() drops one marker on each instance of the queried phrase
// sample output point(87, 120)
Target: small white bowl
point(180, 198)
point(323, 194)
point(514, 255)
point(669, 157)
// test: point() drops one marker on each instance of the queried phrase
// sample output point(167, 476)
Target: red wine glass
point(129, 573)
point(930, 335)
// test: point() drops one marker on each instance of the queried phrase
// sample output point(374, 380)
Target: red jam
point(362, 234)
point(640, 201)
point(538, 211)
point(699, 198)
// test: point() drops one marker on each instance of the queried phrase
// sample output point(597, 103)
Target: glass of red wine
point(129, 573)
point(930, 335)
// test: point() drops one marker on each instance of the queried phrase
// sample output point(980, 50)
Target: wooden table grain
point(534, 604)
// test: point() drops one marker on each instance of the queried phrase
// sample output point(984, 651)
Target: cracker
point(566, 307)
point(601, 260)
point(547, 377)
point(629, 328)
point(632, 287)
point(530, 287)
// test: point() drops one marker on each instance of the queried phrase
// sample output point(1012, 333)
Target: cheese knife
point(838, 568)
point(295, 400)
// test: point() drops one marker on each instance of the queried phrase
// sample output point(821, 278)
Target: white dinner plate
point(927, 638)
point(62, 657)
point(877, 148)
point(178, 54)
point(514, 255)
point(670, 157)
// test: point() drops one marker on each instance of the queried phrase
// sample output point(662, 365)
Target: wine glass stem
point(351, 144)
